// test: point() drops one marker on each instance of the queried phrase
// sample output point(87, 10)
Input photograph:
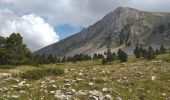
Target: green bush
point(99, 81)
point(39, 73)
point(7, 66)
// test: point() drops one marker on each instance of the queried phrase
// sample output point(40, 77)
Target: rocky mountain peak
point(120, 9)
point(123, 28)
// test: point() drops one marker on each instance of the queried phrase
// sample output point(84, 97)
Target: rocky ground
point(136, 79)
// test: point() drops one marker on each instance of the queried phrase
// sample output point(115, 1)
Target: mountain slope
point(123, 28)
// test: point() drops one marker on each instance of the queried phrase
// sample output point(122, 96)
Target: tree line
point(148, 53)
point(108, 56)
point(14, 52)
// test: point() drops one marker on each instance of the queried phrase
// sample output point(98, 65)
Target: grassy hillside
point(137, 79)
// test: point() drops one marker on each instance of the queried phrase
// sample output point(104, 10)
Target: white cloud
point(35, 31)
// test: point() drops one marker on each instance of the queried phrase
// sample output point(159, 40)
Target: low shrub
point(39, 73)
point(7, 66)
point(99, 81)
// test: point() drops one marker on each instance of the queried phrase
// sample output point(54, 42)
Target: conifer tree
point(109, 55)
point(157, 52)
point(150, 53)
point(137, 52)
point(122, 56)
point(163, 50)
point(104, 61)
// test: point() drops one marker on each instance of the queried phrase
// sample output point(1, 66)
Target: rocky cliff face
point(123, 28)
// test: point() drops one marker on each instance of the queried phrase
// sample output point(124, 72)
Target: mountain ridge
point(123, 28)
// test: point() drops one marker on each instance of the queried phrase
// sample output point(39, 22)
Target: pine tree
point(95, 56)
point(2, 42)
point(74, 60)
point(64, 59)
point(157, 52)
point(163, 50)
point(122, 56)
point(150, 53)
point(104, 61)
point(18, 51)
point(137, 52)
point(110, 56)
point(50, 59)
point(4, 56)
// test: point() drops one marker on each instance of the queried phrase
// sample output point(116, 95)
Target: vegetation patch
point(165, 76)
point(7, 66)
point(39, 73)
point(165, 57)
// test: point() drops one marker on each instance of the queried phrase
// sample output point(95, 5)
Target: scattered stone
point(153, 78)
point(21, 91)
point(130, 90)
point(60, 96)
point(54, 86)
point(66, 80)
point(67, 85)
point(81, 92)
point(72, 69)
point(107, 90)
point(14, 86)
point(42, 82)
point(52, 81)
point(70, 92)
point(107, 97)
point(163, 94)
point(4, 75)
point(103, 72)
point(78, 79)
point(42, 86)
point(80, 74)
point(14, 72)
point(96, 95)
point(124, 78)
point(119, 98)
point(65, 70)
point(2, 90)
point(27, 85)
point(81, 70)
point(15, 96)
point(119, 80)
point(52, 92)
point(91, 84)
point(21, 83)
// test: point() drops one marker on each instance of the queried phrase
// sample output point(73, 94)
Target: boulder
point(4, 75)
point(70, 92)
point(108, 90)
point(96, 95)
point(60, 96)
point(81, 92)
point(107, 97)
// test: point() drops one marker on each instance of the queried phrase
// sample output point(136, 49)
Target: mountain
point(123, 28)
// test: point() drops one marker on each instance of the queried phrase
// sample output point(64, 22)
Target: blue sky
point(66, 30)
